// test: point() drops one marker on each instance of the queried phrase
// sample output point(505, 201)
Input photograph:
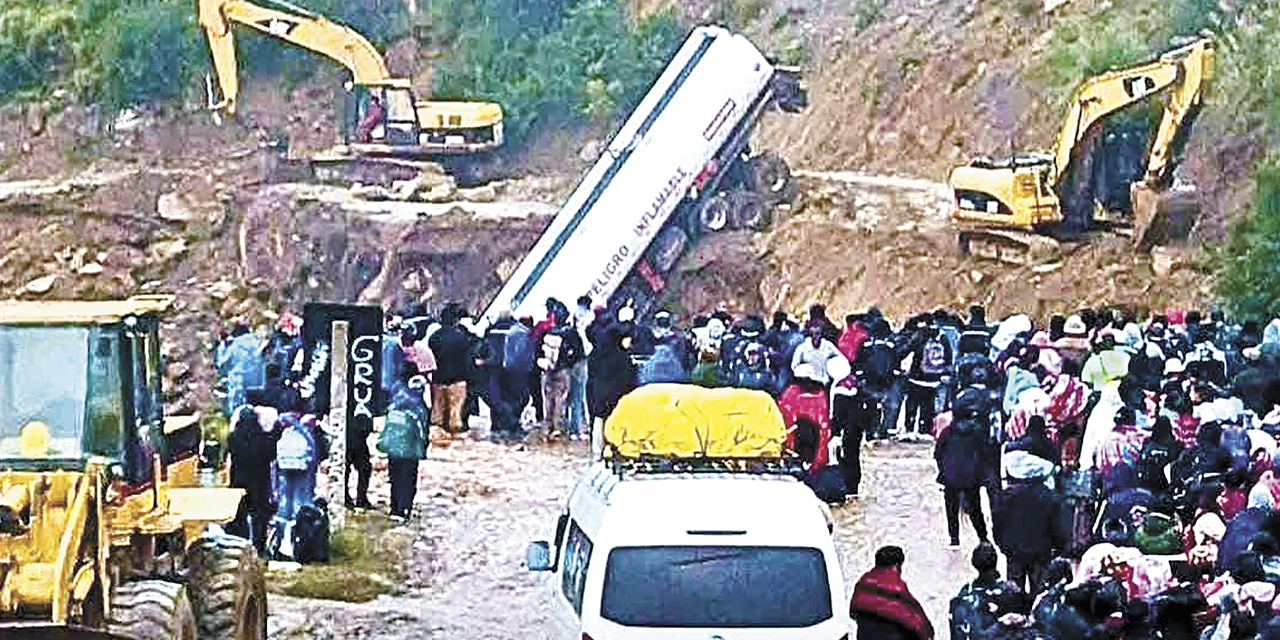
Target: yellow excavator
point(391, 135)
point(1013, 209)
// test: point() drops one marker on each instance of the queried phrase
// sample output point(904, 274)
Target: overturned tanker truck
point(678, 169)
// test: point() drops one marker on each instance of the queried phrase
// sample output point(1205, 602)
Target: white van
point(693, 554)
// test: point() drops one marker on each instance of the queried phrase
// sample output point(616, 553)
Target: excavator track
point(1008, 246)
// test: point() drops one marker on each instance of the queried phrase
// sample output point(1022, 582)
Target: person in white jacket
point(814, 352)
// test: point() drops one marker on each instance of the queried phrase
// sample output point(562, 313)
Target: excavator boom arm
point(291, 24)
point(1109, 92)
point(1194, 71)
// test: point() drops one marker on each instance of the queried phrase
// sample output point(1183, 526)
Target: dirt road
point(479, 504)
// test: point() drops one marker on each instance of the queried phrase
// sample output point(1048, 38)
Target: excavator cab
point(396, 127)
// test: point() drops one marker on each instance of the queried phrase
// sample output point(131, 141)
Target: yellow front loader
point(104, 529)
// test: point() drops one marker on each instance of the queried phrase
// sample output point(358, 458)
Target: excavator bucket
point(1162, 215)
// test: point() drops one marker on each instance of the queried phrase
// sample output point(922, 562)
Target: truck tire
point(713, 215)
point(750, 211)
point(152, 610)
point(230, 594)
point(769, 176)
point(667, 248)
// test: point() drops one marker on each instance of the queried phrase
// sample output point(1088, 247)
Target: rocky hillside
point(102, 204)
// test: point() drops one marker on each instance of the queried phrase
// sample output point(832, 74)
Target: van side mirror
point(537, 557)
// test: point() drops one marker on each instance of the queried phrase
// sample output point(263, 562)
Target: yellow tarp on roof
point(688, 421)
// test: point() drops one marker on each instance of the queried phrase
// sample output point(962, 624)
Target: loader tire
point(228, 587)
point(152, 610)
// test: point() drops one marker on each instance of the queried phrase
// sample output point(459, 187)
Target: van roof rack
point(651, 464)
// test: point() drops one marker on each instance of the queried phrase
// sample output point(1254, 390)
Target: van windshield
point(714, 586)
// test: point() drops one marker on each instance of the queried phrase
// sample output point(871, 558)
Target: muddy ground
point(479, 504)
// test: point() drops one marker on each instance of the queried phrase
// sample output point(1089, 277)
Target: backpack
point(827, 484)
point(550, 359)
point(311, 533)
point(402, 423)
point(975, 340)
point(971, 612)
point(972, 403)
point(294, 451)
point(517, 348)
point(1151, 465)
point(933, 360)
point(879, 363)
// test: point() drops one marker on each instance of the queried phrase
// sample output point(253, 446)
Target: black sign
point(365, 397)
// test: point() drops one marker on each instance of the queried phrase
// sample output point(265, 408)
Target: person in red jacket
point(883, 607)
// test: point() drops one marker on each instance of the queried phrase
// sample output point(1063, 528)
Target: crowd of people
point(1129, 465)
point(1138, 451)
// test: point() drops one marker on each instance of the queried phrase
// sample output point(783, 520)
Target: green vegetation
point(368, 558)
point(554, 64)
point(119, 52)
point(1084, 46)
point(380, 21)
point(126, 52)
point(1248, 275)
point(148, 54)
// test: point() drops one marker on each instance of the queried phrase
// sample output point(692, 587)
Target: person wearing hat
point(753, 372)
point(734, 345)
point(1027, 522)
point(251, 449)
point(1074, 343)
point(1108, 365)
point(882, 605)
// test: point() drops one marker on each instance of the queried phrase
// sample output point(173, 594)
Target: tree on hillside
point(1248, 272)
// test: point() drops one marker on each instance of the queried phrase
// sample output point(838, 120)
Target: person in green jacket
point(707, 373)
point(404, 439)
point(1107, 365)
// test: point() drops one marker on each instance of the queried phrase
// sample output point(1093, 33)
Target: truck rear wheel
point(230, 592)
point(713, 215)
point(769, 176)
point(750, 211)
point(667, 248)
point(152, 610)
